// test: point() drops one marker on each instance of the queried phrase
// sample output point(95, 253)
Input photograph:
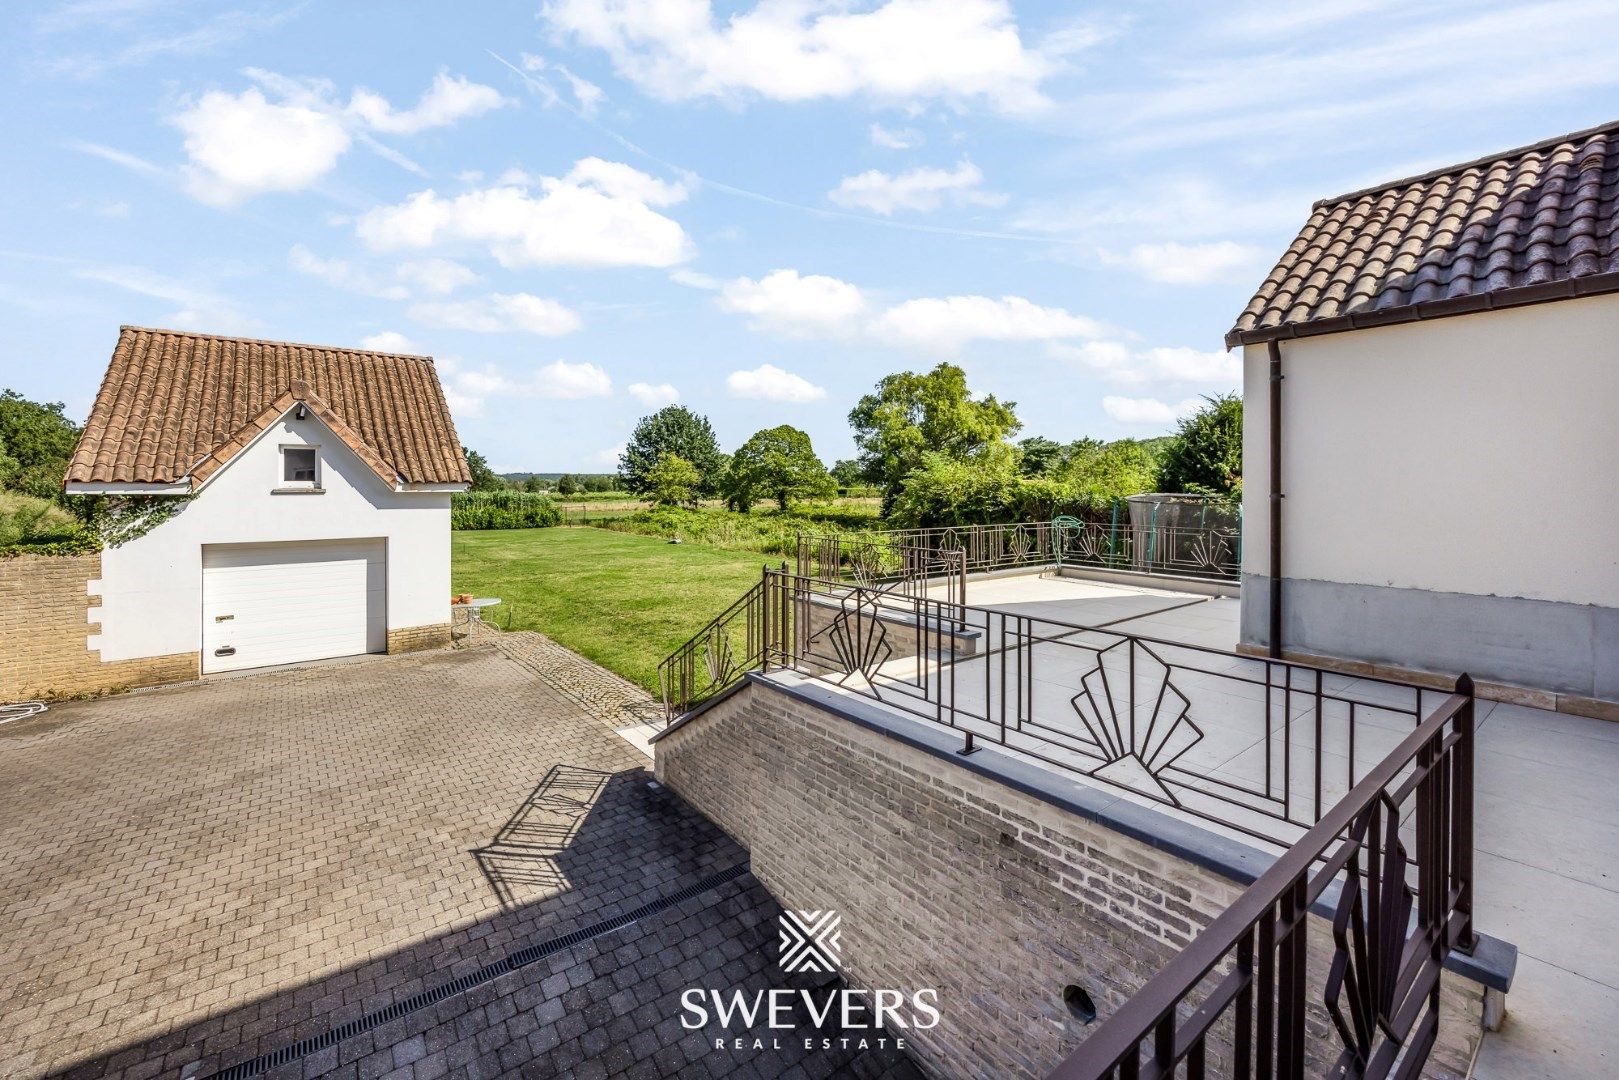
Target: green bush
point(30, 525)
point(1204, 456)
point(502, 510)
point(769, 532)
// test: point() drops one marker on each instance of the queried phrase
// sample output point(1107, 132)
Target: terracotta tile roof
point(1534, 224)
point(176, 406)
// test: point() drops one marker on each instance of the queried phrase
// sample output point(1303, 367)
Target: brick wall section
point(952, 880)
point(46, 618)
point(414, 638)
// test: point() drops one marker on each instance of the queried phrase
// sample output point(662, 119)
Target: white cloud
point(434, 277)
point(770, 383)
point(610, 456)
point(241, 145)
point(107, 208)
point(201, 308)
point(587, 95)
point(1189, 264)
point(343, 275)
point(899, 51)
point(1182, 208)
point(799, 306)
point(945, 324)
point(390, 341)
point(1318, 80)
point(564, 380)
point(449, 99)
point(1145, 411)
point(918, 189)
point(469, 388)
point(694, 279)
point(654, 395)
point(600, 214)
point(894, 138)
point(498, 313)
point(437, 276)
point(117, 157)
point(1118, 363)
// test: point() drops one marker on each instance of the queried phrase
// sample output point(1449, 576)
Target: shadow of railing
point(520, 863)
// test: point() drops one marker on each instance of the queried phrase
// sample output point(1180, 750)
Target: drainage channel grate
point(507, 964)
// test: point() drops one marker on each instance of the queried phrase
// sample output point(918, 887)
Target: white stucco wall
point(1472, 454)
point(151, 588)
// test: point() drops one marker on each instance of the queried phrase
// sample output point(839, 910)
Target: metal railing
point(1259, 746)
point(984, 547)
point(1235, 1001)
point(717, 655)
point(1205, 551)
point(900, 560)
point(1365, 783)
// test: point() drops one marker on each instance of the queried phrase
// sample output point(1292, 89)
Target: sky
point(587, 209)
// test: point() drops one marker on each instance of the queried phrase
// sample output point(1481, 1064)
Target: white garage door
point(280, 603)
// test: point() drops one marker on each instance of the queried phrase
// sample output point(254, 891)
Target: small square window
point(298, 465)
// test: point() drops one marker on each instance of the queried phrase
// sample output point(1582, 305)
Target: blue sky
point(584, 210)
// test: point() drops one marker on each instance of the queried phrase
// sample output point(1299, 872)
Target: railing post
point(1463, 839)
point(764, 602)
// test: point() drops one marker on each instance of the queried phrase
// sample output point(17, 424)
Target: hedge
point(502, 510)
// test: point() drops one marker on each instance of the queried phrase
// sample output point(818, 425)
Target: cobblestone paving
point(196, 876)
point(608, 697)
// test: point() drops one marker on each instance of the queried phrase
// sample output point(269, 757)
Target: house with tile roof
point(1431, 379)
point(317, 520)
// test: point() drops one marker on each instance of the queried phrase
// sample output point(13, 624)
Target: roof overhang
point(1542, 293)
point(179, 487)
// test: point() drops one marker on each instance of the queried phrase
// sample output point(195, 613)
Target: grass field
point(625, 601)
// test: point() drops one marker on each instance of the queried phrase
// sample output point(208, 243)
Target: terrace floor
point(1547, 833)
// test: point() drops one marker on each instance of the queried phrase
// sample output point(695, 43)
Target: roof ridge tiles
point(273, 342)
point(1499, 159)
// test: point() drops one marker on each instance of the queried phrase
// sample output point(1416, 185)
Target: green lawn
point(623, 600)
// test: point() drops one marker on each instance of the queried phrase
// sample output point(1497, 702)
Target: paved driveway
point(229, 872)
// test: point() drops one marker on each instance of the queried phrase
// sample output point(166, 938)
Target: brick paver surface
point(193, 877)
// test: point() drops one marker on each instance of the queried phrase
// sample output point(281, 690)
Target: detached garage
point(317, 516)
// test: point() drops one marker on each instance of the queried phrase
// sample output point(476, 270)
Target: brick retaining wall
point(949, 879)
point(46, 618)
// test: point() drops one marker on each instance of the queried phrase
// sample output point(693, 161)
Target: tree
point(483, 477)
point(36, 442)
point(672, 430)
point(1205, 454)
point(777, 463)
point(673, 481)
point(910, 415)
point(567, 485)
point(535, 485)
point(1040, 455)
point(946, 490)
point(848, 474)
point(1096, 474)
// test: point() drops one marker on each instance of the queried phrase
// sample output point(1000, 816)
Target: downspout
point(1274, 638)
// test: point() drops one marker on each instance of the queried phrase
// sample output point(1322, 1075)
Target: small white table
point(474, 609)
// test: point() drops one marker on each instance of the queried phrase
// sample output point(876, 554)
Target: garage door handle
point(223, 618)
point(225, 650)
